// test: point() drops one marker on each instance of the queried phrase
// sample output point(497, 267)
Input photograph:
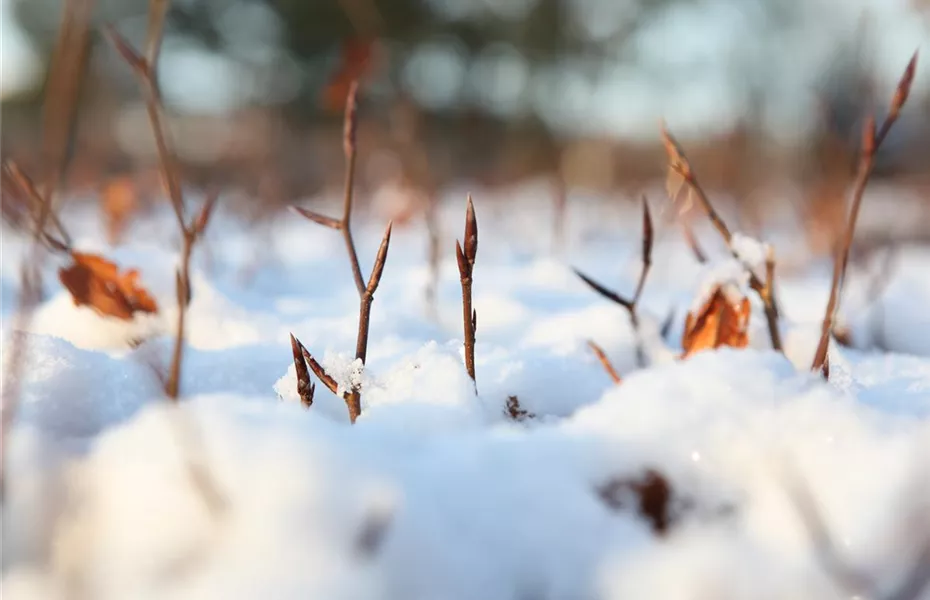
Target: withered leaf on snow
point(719, 322)
point(96, 282)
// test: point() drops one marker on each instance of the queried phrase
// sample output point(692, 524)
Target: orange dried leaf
point(96, 282)
point(719, 322)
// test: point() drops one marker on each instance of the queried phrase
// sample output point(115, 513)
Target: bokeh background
point(765, 94)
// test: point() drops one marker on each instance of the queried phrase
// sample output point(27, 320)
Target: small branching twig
point(631, 305)
point(366, 292)
point(466, 262)
point(191, 232)
point(605, 362)
point(871, 142)
point(679, 164)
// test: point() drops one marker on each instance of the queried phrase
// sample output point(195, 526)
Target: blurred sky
point(692, 64)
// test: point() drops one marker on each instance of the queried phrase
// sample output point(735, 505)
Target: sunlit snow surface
point(100, 501)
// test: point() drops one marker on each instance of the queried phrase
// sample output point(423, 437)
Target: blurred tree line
point(492, 89)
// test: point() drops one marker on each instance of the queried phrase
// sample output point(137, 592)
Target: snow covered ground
point(436, 492)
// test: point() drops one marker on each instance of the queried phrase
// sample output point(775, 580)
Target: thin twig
point(60, 104)
point(871, 142)
point(366, 292)
point(191, 232)
point(631, 306)
point(605, 362)
point(679, 164)
point(200, 477)
point(466, 262)
point(692, 241)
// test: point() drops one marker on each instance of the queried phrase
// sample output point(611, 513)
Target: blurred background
point(763, 94)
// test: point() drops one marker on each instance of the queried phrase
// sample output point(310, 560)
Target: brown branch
point(692, 241)
point(466, 262)
point(631, 305)
point(191, 232)
point(679, 164)
point(366, 292)
point(871, 142)
point(62, 96)
point(153, 105)
point(605, 362)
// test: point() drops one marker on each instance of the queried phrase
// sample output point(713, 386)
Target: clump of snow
point(729, 275)
point(751, 252)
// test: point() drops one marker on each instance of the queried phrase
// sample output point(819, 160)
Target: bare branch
point(605, 292)
point(465, 257)
point(871, 142)
point(648, 234)
point(605, 362)
point(318, 370)
point(365, 292)
point(318, 218)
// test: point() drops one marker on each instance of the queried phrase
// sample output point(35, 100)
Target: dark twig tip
point(375, 278)
point(603, 291)
point(471, 232)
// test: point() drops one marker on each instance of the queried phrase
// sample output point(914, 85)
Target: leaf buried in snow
point(719, 322)
point(96, 282)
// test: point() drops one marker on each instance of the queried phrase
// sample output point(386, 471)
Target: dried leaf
point(94, 281)
point(719, 322)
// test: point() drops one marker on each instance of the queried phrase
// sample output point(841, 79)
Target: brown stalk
point(692, 241)
point(366, 292)
point(631, 305)
point(191, 232)
point(60, 105)
point(605, 362)
point(466, 262)
point(871, 142)
point(680, 165)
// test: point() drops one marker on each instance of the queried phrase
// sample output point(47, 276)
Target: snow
point(751, 252)
point(435, 492)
